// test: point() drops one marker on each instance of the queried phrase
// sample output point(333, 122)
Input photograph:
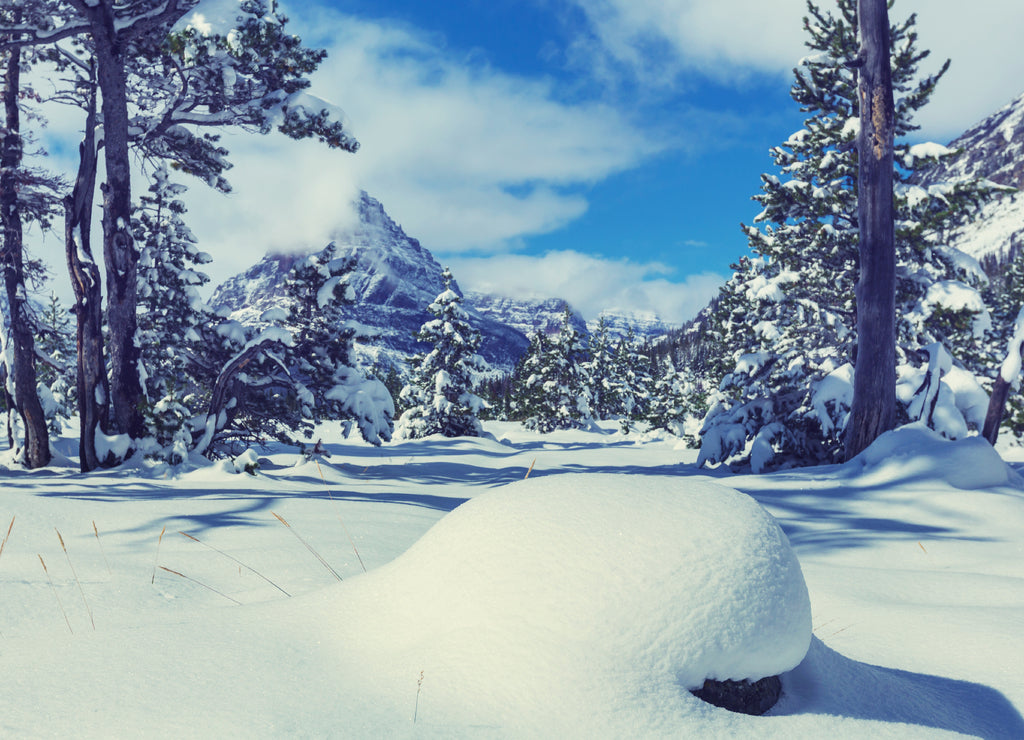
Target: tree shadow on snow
point(827, 682)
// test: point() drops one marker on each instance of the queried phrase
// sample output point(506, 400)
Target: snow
point(580, 602)
point(1010, 369)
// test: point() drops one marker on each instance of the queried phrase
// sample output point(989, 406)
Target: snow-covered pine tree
point(667, 406)
point(600, 369)
point(290, 370)
point(326, 381)
point(171, 314)
point(631, 381)
point(55, 345)
point(440, 398)
point(787, 316)
point(554, 387)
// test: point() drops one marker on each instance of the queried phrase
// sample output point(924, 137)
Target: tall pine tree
point(440, 397)
point(787, 317)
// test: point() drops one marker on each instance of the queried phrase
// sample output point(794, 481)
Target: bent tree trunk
point(23, 370)
point(874, 391)
point(85, 280)
point(119, 253)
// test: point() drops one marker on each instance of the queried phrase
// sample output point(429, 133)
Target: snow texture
point(569, 605)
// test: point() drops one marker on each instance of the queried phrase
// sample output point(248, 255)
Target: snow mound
point(914, 451)
point(549, 580)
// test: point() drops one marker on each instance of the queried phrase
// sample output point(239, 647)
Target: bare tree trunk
point(119, 251)
point(93, 393)
point(874, 394)
point(26, 397)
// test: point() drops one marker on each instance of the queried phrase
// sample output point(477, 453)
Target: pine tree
point(440, 397)
point(787, 317)
point(667, 407)
point(55, 343)
point(631, 381)
point(290, 370)
point(171, 313)
point(600, 369)
point(554, 388)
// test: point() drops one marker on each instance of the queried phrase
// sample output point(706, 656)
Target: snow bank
point(547, 582)
point(914, 451)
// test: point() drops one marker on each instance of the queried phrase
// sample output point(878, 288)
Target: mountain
point(992, 149)
point(528, 315)
point(525, 315)
point(394, 279)
point(645, 325)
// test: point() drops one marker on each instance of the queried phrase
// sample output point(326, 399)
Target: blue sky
point(604, 151)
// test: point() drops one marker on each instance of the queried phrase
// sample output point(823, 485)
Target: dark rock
point(741, 696)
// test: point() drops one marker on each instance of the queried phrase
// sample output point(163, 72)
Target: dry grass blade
point(531, 469)
point(81, 590)
point(344, 528)
point(308, 546)
point(416, 709)
point(7, 536)
point(235, 560)
point(55, 595)
point(200, 583)
point(157, 556)
point(102, 552)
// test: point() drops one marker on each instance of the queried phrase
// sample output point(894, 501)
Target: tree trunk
point(26, 397)
point(119, 251)
point(996, 407)
point(93, 394)
point(874, 395)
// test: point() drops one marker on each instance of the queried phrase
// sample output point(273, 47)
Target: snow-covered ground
point(581, 602)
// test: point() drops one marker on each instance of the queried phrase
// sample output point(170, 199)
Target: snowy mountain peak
point(395, 278)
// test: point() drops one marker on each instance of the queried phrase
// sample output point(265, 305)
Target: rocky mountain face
point(523, 314)
point(993, 149)
point(394, 280)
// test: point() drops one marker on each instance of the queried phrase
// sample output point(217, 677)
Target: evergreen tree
point(55, 344)
point(600, 369)
point(631, 381)
point(787, 316)
point(171, 313)
point(667, 407)
point(440, 397)
point(554, 388)
point(290, 370)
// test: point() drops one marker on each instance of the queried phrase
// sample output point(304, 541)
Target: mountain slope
point(992, 149)
point(394, 279)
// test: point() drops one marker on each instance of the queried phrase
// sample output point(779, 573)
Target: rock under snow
point(914, 451)
point(673, 580)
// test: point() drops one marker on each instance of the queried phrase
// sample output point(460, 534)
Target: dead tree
point(874, 396)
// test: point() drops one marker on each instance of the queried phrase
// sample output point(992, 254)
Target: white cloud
point(590, 284)
point(463, 156)
point(662, 41)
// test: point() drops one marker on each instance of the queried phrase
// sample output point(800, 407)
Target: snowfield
point(582, 601)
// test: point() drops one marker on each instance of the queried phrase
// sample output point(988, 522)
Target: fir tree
point(171, 313)
point(55, 344)
point(554, 386)
point(440, 397)
point(787, 317)
point(667, 407)
point(600, 369)
point(631, 381)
